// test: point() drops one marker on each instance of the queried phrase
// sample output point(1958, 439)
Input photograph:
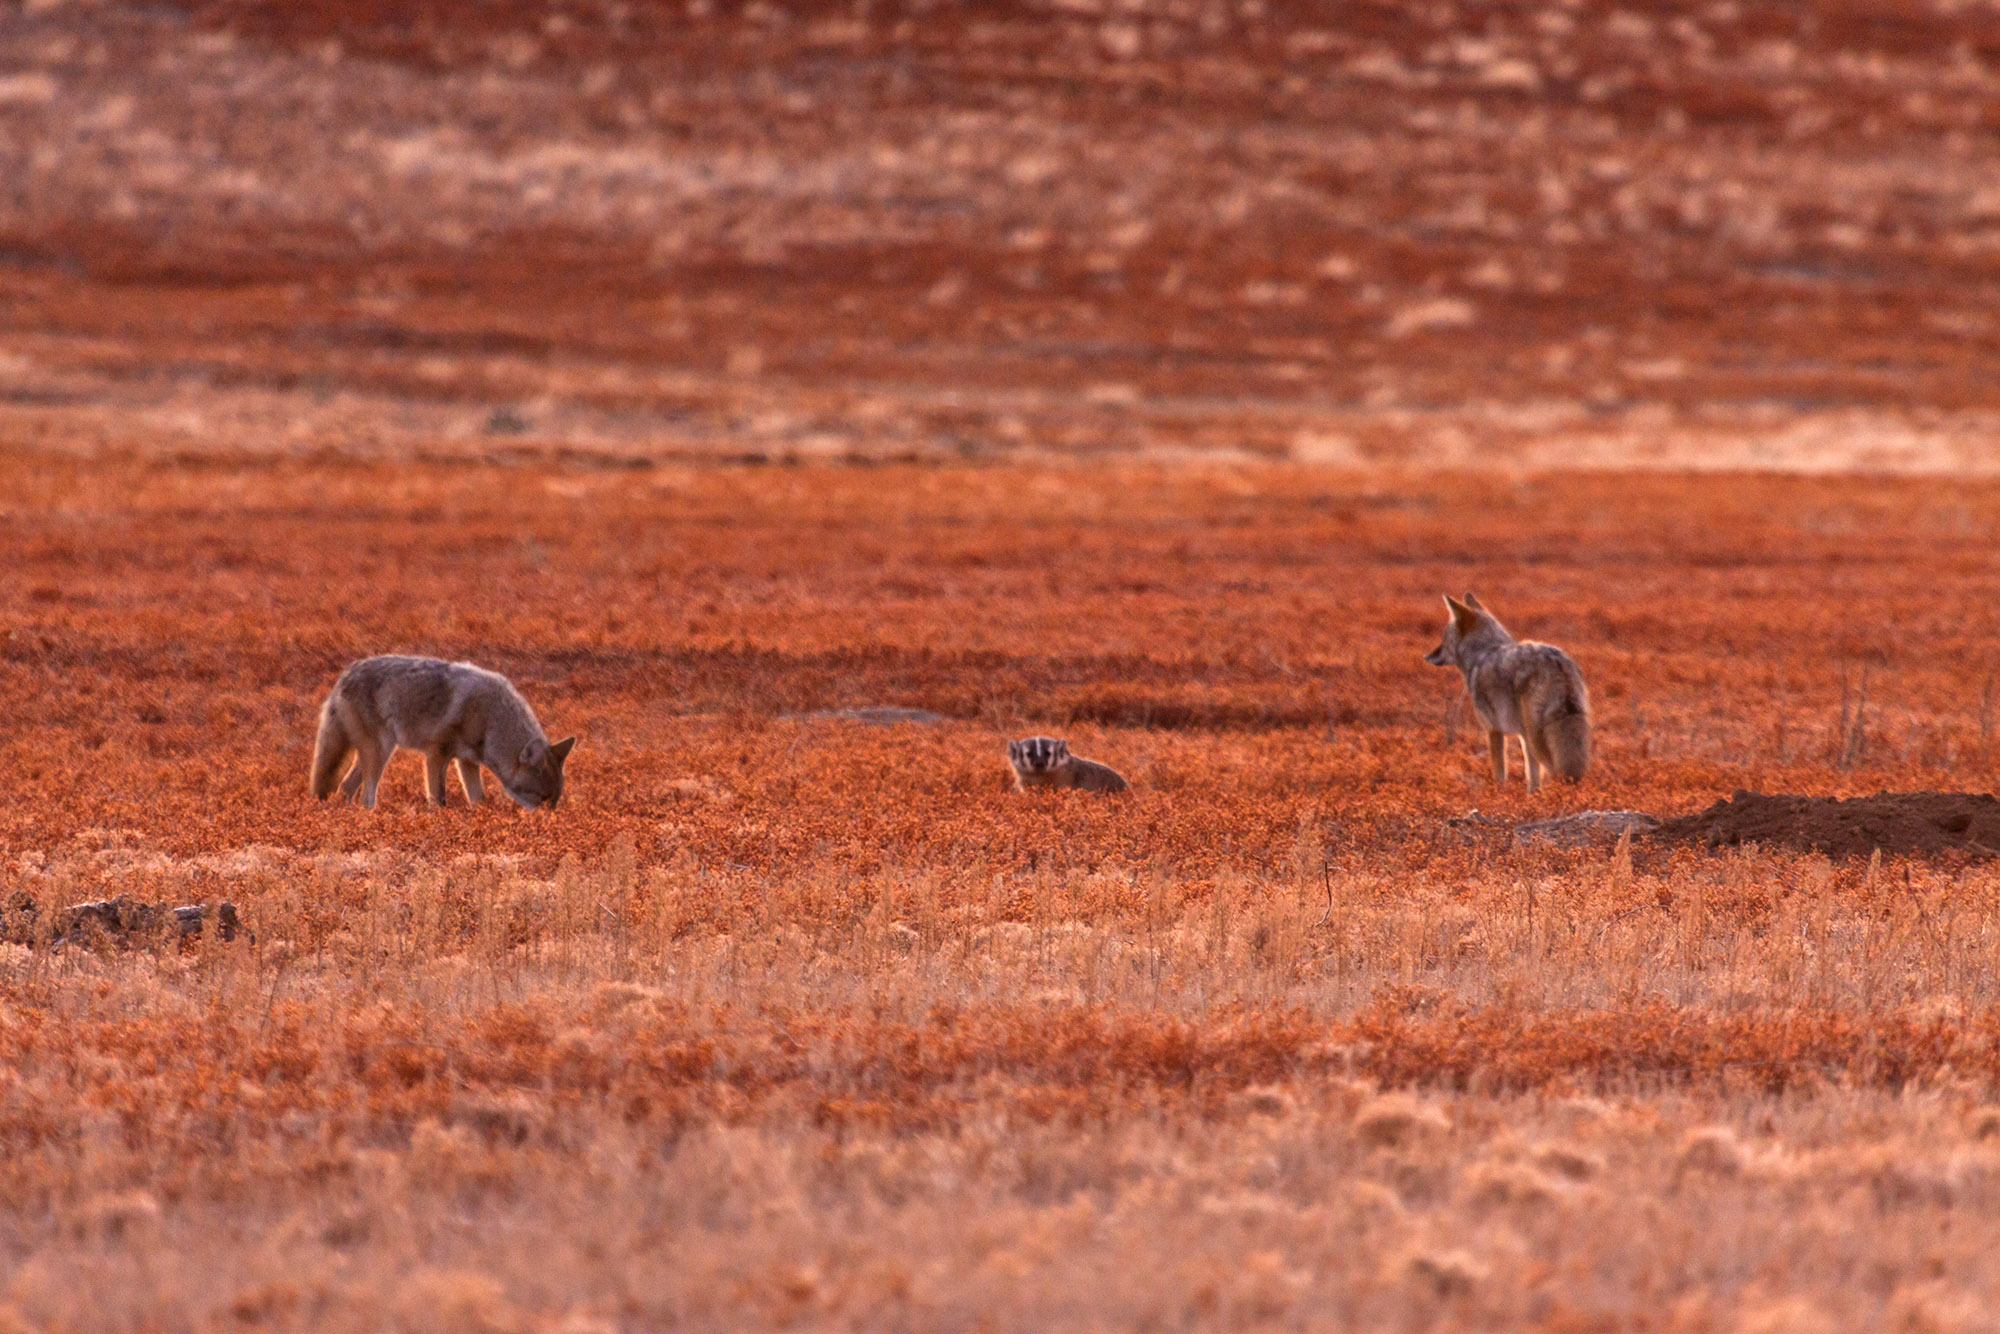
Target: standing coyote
point(1533, 691)
point(1043, 761)
point(449, 711)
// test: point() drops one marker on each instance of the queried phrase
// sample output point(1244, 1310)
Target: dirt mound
point(1896, 822)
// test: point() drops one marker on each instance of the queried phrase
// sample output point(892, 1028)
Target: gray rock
point(1570, 831)
point(880, 715)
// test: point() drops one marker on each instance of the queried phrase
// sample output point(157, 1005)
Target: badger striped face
point(1038, 754)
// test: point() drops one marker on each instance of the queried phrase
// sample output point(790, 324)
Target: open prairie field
point(783, 1016)
point(1133, 372)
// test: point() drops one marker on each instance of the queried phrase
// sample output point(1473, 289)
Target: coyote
point(1043, 761)
point(1533, 691)
point(449, 711)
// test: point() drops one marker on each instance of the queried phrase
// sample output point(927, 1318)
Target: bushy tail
point(1566, 738)
point(1558, 707)
point(330, 752)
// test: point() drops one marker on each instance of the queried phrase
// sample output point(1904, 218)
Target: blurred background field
point(1730, 234)
point(1138, 372)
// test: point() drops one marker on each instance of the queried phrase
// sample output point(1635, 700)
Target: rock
point(1570, 831)
point(126, 919)
point(879, 715)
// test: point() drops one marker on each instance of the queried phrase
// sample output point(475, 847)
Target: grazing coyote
point(1043, 761)
point(449, 711)
point(1528, 690)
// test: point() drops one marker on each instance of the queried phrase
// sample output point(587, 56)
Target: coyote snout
point(453, 712)
point(1533, 691)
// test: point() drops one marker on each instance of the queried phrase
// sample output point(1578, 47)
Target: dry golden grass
point(785, 1019)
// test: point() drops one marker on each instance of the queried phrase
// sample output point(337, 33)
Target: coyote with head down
point(451, 712)
point(1533, 691)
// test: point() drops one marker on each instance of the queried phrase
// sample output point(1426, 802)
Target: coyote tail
point(330, 751)
point(1566, 738)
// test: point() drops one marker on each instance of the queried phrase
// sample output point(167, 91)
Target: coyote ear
point(560, 751)
point(529, 755)
point(1462, 615)
point(1474, 603)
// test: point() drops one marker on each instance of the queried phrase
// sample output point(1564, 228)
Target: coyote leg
point(1540, 761)
point(352, 783)
point(1534, 764)
point(434, 772)
point(373, 761)
point(468, 774)
point(1496, 748)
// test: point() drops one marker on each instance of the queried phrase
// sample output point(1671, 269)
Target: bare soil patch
point(1911, 823)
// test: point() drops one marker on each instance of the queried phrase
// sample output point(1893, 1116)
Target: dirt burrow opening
point(1907, 823)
